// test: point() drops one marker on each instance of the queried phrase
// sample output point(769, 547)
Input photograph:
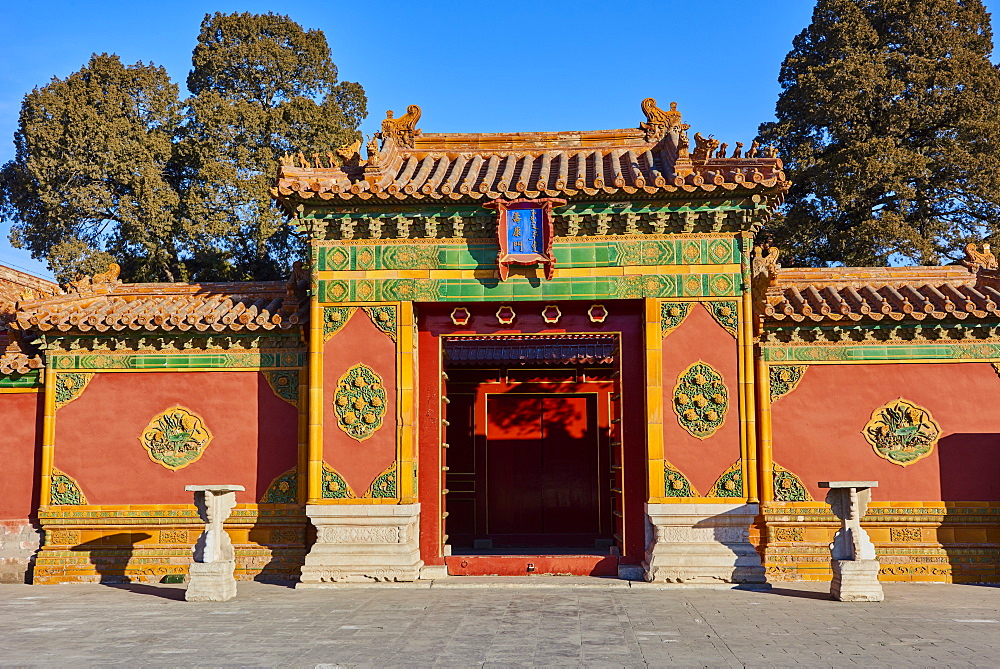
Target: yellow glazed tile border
point(654, 398)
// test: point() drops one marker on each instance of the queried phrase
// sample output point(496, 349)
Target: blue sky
point(472, 67)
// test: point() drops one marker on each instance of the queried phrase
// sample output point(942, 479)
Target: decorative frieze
point(70, 385)
point(730, 484)
point(784, 379)
point(700, 400)
point(64, 489)
point(285, 384)
point(904, 534)
point(360, 402)
point(672, 314)
point(521, 288)
point(725, 314)
point(902, 432)
point(175, 361)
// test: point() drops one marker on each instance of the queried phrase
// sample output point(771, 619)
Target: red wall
point(359, 462)
point(97, 435)
point(20, 453)
point(700, 337)
point(817, 429)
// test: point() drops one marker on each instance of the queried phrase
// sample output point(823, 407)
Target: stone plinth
point(701, 544)
point(363, 543)
point(211, 574)
point(852, 554)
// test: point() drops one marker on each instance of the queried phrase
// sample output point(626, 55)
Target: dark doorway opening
point(532, 465)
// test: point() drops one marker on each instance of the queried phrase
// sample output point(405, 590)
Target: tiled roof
point(106, 304)
point(16, 357)
point(847, 294)
point(15, 286)
point(411, 166)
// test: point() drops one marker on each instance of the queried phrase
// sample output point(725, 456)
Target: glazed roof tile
point(104, 304)
point(850, 294)
point(411, 166)
point(16, 357)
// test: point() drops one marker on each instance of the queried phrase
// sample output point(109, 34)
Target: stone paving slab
point(572, 622)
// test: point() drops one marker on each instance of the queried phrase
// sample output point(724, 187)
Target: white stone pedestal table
point(211, 572)
point(852, 554)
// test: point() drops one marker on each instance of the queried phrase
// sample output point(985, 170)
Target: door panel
point(514, 464)
point(542, 464)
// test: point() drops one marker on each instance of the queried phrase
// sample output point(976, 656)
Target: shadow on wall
point(110, 555)
point(969, 465)
point(278, 546)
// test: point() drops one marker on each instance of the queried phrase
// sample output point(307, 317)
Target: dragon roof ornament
point(401, 130)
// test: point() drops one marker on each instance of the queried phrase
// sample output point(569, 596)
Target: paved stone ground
point(575, 622)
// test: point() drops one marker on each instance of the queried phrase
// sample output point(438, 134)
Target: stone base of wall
point(363, 543)
point(91, 544)
point(701, 543)
point(19, 542)
point(941, 542)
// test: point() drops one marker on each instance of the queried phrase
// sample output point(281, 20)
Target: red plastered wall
point(700, 337)
point(818, 429)
point(20, 453)
point(97, 435)
point(359, 462)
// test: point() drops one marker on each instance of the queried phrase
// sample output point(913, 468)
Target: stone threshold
point(540, 581)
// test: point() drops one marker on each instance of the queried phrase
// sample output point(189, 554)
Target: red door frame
point(625, 317)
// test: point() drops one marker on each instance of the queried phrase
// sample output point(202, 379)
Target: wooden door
point(543, 467)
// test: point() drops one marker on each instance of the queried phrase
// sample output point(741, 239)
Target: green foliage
point(262, 87)
point(887, 126)
point(112, 164)
point(90, 176)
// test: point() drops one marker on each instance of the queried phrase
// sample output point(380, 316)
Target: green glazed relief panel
point(522, 288)
point(840, 353)
point(32, 379)
point(221, 360)
point(283, 489)
point(469, 256)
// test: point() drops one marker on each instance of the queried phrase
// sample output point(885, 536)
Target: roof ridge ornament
point(401, 130)
point(658, 122)
point(976, 260)
point(102, 281)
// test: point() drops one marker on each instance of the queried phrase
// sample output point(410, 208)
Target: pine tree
point(89, 182)
point(262, 87)
point(887, 126)
point(112, 166)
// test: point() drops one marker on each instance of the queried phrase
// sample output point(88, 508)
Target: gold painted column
point(765, 441)
point(315, 467)
point(654, 399)
point(48, 433)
